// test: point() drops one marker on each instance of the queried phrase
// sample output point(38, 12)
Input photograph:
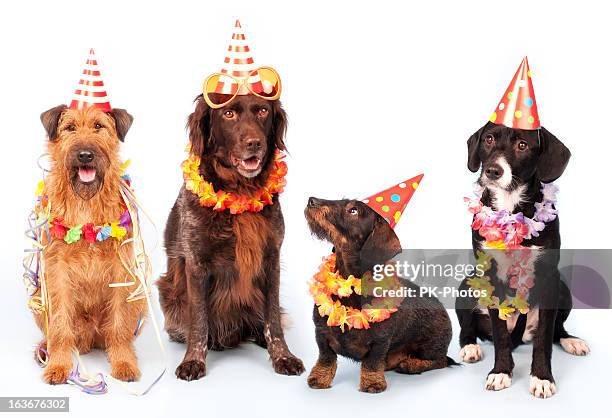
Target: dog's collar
point(90, 232)
point(220, 200)
point(327, 282)
point(502, 229)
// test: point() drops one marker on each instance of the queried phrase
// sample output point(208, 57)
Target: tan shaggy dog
point(83, 187)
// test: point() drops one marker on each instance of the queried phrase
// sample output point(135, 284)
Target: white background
point(375, 95)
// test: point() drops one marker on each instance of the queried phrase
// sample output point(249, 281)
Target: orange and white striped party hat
point(390, 203)
point(517, 107)
point(90, 91)
point(239, 63)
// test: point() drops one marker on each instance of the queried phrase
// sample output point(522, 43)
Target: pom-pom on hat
point(239, 63)
point(390, 203)
point(517, 107)
point(90, 91)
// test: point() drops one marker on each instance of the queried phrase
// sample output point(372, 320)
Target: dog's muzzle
point(313, 202)
point(494, 171)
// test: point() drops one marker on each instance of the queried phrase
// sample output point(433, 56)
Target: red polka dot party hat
point(90, 91)
point(238, 63)
point(390, 203)
point(517, 107)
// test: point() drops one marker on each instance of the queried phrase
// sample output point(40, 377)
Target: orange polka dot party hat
point(390, 203)
point(517, 107)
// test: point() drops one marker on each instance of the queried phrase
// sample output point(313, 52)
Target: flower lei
point(503, 230)
point(220, 200)
point(43, 228)
point(327, 282)
point(89, 232)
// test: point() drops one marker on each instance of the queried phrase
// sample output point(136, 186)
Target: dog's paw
point(373, 386)
point(191, 370)
point(575, 346)
point(542, 388)
point(57, 374)
point(470, 353)
point(122, 370)
point(372, 381)
point(288, 365)
point(321, 377)
point(498, 381)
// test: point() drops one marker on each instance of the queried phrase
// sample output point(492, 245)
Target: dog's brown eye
point(522, 146)
point(353, 211)
point(229, 114)
point(263, 112)
point(98, 126)
point(71, 128)
point(489, 139)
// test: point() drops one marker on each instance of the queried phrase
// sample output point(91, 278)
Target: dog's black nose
point(494, 171)
point(313, 202)
point(86, 157)
point(253, 144)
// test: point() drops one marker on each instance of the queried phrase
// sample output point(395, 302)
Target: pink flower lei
point(505, 230)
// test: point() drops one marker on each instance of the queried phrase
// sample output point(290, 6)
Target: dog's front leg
point(61, 341)
point(323, 373)
point(283, 360)
point(118, 333)
point(193, 366)
point(372, 377)
point(501, 376)
point(542, 384)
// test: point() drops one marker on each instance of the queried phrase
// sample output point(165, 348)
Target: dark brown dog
point(413, 340)
point(222, 284)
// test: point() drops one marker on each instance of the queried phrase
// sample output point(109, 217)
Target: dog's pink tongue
point(87, 174)
point(250, 164)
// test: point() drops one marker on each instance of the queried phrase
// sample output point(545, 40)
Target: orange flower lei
point(327, 282)
point(220, 200)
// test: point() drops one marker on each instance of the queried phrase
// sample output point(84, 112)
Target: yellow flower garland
point(483, 283)
point(220, 200)
point(327, 282)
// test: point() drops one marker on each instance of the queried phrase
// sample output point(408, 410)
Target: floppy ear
point(554, 157)
point(279, 127)
point(473, 145)
point(123, 121)
point(381, 245)
point(50, 120)
point(198, 127)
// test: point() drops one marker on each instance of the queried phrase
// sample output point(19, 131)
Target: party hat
point(517, 107)
point(91, 91)
point(390, 203)
point(239, 63)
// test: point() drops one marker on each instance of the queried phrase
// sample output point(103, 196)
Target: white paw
point(575, 346)
point(498, 381)
point(541, 388)
point(470, 353)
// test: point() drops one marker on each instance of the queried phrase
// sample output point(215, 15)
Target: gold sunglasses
point(220, 89)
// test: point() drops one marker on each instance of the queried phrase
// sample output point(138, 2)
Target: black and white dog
point(514, 164)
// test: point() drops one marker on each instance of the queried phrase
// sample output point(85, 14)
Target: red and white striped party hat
point(390, 203)
point(90, 91)
point(238, 63)
point(517, 107)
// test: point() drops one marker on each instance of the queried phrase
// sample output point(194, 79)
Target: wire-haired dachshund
point(412, 340)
